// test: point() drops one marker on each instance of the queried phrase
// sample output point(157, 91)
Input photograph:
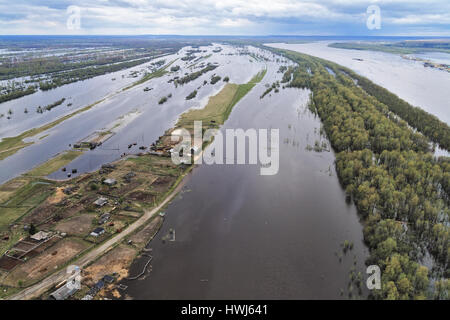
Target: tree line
point(400, 189)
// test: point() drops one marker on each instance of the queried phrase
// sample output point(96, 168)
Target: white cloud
point(220, 17)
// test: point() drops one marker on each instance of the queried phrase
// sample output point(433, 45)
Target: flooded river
point(240, 235)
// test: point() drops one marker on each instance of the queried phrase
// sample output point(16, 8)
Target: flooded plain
point(240, 235)
point(153, 119)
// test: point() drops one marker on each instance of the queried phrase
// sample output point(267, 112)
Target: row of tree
point(426, 123)
point(82, 74)
point(401, 190)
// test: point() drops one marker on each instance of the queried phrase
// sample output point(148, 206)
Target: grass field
point(215, 110)
point(8, 189)
point(54, 164)
point(14, 237)
point(23, 199)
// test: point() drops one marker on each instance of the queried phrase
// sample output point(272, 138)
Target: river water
point(426, 88)
point(240, 235)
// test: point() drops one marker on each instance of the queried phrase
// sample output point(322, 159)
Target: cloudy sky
point(224, 17)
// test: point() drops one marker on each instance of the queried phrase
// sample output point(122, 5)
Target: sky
point(225, 17)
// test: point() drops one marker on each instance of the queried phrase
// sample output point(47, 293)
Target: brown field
point(67, 212)
point(42, 213)
point(43, 247)
point(57, 197)
point(131, 214)
point(80, 225)
point(162, 184)
point(7, 263)
point(116, 260)
point(46, 263)
point(140, 195)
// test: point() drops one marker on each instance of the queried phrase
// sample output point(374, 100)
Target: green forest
point(400, 189)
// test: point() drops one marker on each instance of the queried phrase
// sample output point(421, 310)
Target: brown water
point(240, 235)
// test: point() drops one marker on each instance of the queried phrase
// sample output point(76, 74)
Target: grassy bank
point(219, 107)
point(54, 164)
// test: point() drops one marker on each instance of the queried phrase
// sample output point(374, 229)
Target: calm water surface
point(240, 235)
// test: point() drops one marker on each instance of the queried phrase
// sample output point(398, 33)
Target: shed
point(110, 182)
point(97, 232)
point(104, 217)
point(39, 236)
point(99, 285)
point(130, 175)
point(100, 202)
point(108, 279)
point(92, 292)
point(68, 190)
point(63, 293)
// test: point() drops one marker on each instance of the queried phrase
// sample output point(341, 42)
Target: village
point(60, 221)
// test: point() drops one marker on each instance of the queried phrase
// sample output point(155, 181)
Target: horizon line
point(223, 35)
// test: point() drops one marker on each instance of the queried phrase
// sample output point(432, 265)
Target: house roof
point(110, 181)
point(99, 285)
point(41, 235)
point(108, 279)
point(101, 201)
point(63, 293)
point(98, 230)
